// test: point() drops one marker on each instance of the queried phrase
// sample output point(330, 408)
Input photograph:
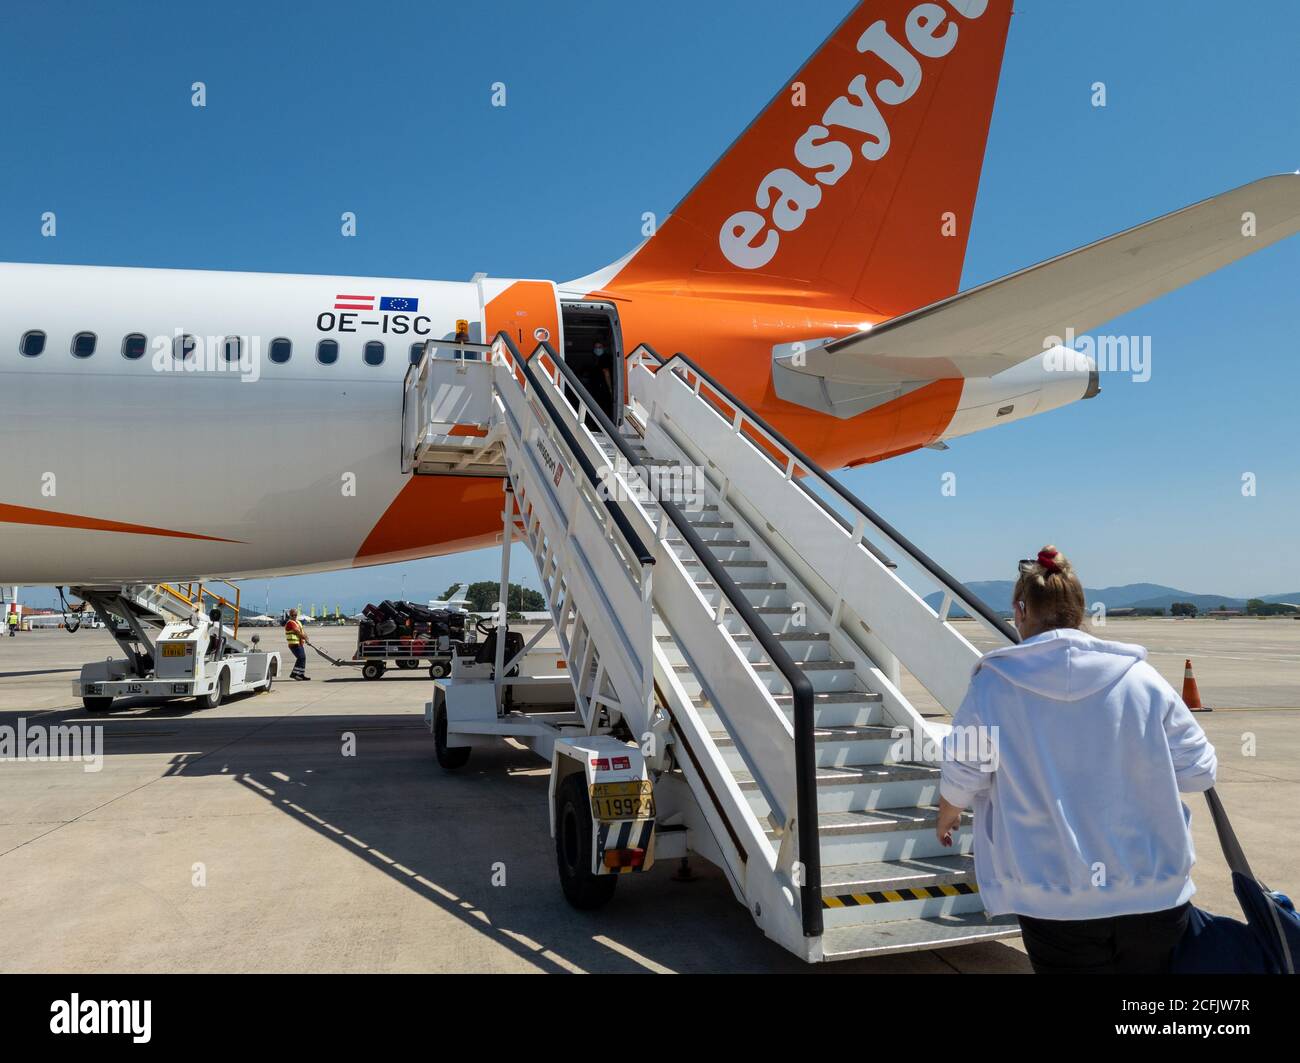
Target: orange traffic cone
point(1192, 696)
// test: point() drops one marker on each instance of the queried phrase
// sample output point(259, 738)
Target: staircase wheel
point(449, 758)
point(97, 704)
point(583, 889)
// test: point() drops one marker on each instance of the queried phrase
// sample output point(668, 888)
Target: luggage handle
point(1236, 858)
point(1232, 850)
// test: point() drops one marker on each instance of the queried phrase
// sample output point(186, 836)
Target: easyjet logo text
point(751, 238)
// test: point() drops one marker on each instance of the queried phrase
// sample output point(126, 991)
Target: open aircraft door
point(527, 311)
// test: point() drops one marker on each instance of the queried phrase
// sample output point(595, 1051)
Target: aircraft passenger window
point(327, 352)
point(133, 346)
point(83, 344)
point(281, 349)
point(230, 348)
point(183, 347)
point(32, 343)
point(374, 353)
point(417, 352)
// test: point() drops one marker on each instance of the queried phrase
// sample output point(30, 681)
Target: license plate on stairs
point(612, 801)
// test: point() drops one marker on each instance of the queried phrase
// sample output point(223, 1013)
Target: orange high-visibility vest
point(292, 632)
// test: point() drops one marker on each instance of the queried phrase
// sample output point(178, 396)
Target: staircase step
point(807, 666)
point(914, 935)
point(756, 592)
point(878, 774)
point(889, 832)
point(784, 636)
point(838, 733)
point(830, 710)
point(724, 550)
point(880, 820)
point(836, 747)
point(867, 732)
point(830, 697)
point(889, 890)
point(862, 878)
point(862, 715)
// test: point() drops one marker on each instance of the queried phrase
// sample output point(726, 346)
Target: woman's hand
point(949, 820)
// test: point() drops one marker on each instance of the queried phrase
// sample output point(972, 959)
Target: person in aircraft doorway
point(600, 381)
point(296, 638)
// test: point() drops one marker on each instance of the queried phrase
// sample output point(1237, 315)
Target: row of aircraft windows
point(279, 351)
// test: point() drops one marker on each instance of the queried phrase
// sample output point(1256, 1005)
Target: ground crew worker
point(12, 621)
point(296, 638)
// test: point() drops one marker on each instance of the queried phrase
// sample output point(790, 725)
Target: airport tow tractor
point(194, 655)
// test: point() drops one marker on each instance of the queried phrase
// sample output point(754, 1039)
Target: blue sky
point(616, 109)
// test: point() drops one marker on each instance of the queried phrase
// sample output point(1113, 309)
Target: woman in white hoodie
point(1079, 829)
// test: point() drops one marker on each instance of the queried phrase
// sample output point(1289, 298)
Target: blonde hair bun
point(1051, 592)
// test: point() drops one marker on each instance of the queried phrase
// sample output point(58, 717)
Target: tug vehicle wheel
point(214, 699)
point(372, 670)
point(271, 672)
point(97, 704)
point(449, 758)
point(582, 889)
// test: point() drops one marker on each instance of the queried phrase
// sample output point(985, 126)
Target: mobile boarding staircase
point(134, 613)
point(732, 612)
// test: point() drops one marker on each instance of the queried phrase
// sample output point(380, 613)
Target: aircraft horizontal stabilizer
point(997, 325)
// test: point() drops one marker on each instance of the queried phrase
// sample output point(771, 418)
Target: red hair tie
point(1047, 558)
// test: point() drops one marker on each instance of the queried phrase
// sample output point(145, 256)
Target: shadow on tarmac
point(453, 837)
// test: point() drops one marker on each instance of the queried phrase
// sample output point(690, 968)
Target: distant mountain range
point(996, 594)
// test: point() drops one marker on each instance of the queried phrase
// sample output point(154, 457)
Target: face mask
point(599, 351)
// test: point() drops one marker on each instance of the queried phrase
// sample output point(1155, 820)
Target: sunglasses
point(1028, 566)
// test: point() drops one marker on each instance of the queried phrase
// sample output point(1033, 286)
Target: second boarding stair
point(134, 613)
point(720, 598)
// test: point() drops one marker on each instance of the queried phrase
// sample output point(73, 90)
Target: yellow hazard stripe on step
point(910, 893)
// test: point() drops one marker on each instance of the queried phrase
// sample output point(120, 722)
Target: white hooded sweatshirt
point(1077, 813)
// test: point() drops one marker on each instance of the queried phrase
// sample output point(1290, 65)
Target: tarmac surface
point(246, 838)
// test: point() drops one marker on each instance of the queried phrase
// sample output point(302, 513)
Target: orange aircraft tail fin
point(857, 182)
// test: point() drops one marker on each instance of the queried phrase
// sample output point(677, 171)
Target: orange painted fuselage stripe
point(48, 518)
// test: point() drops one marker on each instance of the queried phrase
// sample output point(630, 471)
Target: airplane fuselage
point(237, 424)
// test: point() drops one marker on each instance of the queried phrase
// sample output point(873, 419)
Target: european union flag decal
point(400, 305)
